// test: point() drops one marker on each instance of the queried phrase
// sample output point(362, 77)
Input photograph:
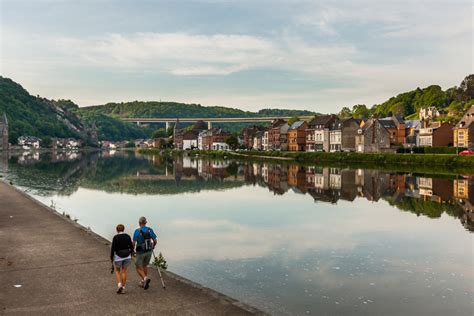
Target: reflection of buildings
point(422, 195)
point(464, 195)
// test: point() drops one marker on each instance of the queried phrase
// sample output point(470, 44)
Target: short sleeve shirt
point(137, 237)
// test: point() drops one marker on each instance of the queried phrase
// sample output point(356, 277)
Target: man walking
point(144, 241)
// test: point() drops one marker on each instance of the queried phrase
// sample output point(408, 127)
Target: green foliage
point(427, 208)
point(29, 115)
point(159, 133)
point(232, 141)
point(182, 110)
point(160, 262)
point(360, 111)
point(113, 129)
point(46, 142)
point(407, 104)
point(345, 112)
point(431, 150)
point(293, 119)
point(130, 145)
point(284, 112)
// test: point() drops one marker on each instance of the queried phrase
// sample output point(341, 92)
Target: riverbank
point(51, 265)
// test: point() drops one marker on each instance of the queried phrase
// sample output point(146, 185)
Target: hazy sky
point(318, 55)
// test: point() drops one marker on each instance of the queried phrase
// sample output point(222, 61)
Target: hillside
point(29, 115)
point(35, 116)
point(454, 100)
point(175, 109)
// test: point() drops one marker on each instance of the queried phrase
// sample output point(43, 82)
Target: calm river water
point(288, 239)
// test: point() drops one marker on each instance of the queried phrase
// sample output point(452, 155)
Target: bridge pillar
point(209, 125)
point(138, 123)
point(167, 125)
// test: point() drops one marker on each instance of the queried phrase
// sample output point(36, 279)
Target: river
point(289, 239)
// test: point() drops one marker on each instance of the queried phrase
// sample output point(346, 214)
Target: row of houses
point(200, 137)
point(330, 134)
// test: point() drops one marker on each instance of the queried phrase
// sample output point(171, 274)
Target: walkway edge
point(105, 242)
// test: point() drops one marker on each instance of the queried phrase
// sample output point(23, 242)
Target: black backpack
point(147, 242)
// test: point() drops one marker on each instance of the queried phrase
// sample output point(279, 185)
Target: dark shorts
point(143, 259)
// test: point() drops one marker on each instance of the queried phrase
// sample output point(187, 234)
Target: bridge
point(210, 120)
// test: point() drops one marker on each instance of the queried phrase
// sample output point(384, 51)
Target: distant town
point(323, 133)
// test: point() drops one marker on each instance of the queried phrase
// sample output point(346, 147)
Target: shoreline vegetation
point(426, 163)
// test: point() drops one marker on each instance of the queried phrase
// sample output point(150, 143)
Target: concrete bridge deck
point(210, 120)
point(50, 265)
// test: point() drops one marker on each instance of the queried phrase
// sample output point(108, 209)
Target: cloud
point(189, 54)
point(342, 53)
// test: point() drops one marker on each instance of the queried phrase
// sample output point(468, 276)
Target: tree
point(293, 119)
point(345, 112)
point(466, 89)
point(232, 141)
point(159, 133)
point(360, 111)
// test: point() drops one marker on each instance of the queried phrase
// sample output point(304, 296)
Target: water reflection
point(289, 238)
point(126, 173)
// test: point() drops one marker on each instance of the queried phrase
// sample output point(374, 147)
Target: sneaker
point(147, 284)
point(141, 283)
point(123, 290)
point(120, 290)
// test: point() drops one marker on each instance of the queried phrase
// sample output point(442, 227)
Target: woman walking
point(121, 256)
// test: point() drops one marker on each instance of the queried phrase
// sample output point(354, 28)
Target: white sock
point(119, 284)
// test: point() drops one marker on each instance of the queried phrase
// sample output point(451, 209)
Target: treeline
point(175, 109)
point(455, 100)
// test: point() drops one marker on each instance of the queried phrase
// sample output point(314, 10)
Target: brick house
point(297, 136)
point(396, 128)
point(219, 137)
point(342, 135)
point(317, 133)
point(436, 134)
point(205, 140)
point(372, 137)
point(248, 135)
point(464, 130)
point(278, 135)
point(188, 139)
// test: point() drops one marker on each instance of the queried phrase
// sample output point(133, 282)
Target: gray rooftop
point(296, 124)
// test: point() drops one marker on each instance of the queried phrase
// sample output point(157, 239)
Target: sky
point(315, 55)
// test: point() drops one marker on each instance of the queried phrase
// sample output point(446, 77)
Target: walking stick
point(159, 272)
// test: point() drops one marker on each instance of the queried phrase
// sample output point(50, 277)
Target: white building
point(265, 143)
point(29, 142)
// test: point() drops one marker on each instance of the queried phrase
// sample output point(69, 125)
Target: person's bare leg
point(145, 271)
point(117, 275)
point(140, 272)
point(124, 276)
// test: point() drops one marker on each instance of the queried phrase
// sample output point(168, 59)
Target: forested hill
point(175, 109)
point(40, 117)
point(30, 115)
point(455, 100)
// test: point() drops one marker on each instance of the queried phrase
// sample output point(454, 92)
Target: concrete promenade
point(50, 265)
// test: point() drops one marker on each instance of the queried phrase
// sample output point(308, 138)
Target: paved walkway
point(64, 269)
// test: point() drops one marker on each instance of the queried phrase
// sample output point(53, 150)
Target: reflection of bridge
point(210, 120)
